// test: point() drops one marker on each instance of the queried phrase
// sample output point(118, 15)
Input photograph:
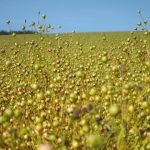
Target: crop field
point(75, 91)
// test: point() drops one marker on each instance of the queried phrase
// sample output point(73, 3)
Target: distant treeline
point(3, 32)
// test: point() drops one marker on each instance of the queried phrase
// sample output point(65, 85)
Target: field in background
point(75, 91)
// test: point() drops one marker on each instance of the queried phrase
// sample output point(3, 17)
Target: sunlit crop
point(75, 91)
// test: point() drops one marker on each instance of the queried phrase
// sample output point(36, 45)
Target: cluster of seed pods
point(75, 91)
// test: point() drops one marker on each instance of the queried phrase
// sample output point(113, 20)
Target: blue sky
point(78, 15)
